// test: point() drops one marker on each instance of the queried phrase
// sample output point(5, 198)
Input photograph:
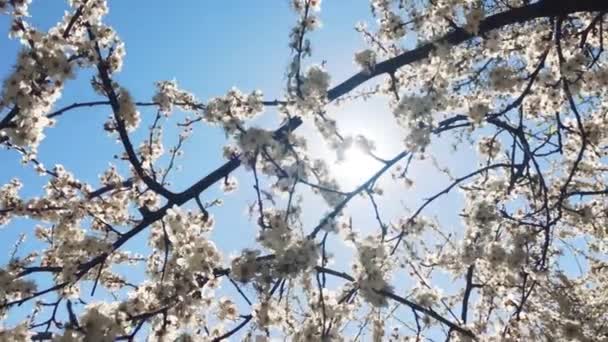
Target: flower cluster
point(151, 150)
point(227, 310)
point(20, 333)
point(488, 146)
point(299, 256)
point(526, 214)
point(229, 184)
point(371, 269)
point(366, 60)
point(326, 181)
point(102, 322)
point(32, 100)
point(47, 61)
point(192, 255)
point(244, 267)
point(474, 18)
point(230, 111)
point(312, 90)
point(325, 307)
point(168, 94)
point(128, 111)
point(392, 26)
point(294, 172)
point(478, 111)
point(413, 227)
point(9, 200)
point(415, 113)
point(300, 5)
point(425, 296)
point(12, 288)
point(502, 78)
point(255, 140)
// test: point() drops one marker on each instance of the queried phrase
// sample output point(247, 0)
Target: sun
point(356, 168)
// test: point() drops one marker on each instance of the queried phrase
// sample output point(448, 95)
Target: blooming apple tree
point(520, 80)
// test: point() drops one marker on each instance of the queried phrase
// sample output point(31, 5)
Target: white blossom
point(366, 59)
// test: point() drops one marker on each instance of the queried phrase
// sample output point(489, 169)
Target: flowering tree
point(521, 80)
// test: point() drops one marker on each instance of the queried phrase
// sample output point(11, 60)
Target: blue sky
point(208, 47)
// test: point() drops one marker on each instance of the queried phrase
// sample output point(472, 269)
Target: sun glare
point(356, 168)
